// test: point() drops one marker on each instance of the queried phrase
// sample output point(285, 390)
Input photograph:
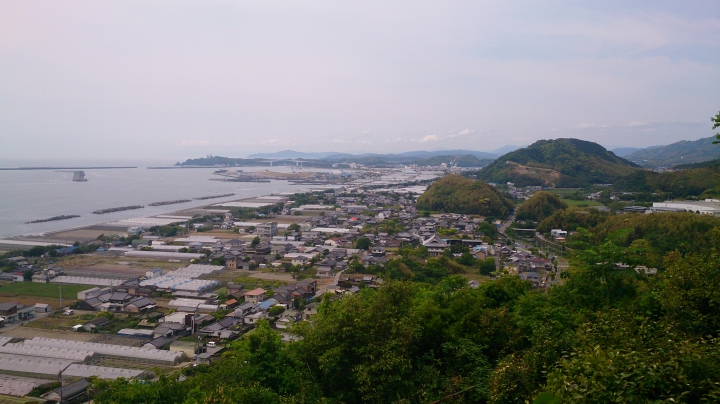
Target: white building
point(706, 207)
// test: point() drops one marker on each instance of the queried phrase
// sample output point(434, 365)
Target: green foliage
point(362, 243)
point(677, 184)
point(255, 241)
point(572, 218)
point(621, 358)
point(539, 206)
point(606, 335)
point(276, 310)
point(167, 231)
point(561, 163)
point(486, 266)
point(456, 194)
point(689, 293)
point(687, 232)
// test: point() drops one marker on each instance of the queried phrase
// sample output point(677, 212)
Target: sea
point(27, 195)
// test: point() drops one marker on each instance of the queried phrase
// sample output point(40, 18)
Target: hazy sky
point(177, 79)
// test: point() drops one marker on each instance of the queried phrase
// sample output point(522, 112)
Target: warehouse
point(126, 353)
point(175, 283)
point(164, 254)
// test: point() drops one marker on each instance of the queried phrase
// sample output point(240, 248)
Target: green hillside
point(456, 194)
point(559, 163)
point(539, 206)
point(682, 152)
point(703, 181)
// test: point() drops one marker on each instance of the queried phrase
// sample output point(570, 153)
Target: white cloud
point(428, 138)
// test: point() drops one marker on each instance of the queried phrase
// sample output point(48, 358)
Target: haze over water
point(41, 194)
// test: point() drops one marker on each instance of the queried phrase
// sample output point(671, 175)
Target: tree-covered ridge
point(560, 163)
point(457, 194)
point(704, 180)
point(571, 218)
point(682, 152)
point(539, 206)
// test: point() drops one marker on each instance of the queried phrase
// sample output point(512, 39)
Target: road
point(505, 225)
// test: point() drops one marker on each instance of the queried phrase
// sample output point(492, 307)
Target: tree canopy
point(539, 206)
point(456, 194)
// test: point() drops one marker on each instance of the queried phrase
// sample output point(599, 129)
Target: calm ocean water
point(41, 194)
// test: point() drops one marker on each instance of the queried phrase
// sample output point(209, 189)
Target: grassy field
point(563, 191)
point(50, 290)
point(588, 202)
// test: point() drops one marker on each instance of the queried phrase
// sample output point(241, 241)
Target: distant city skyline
point(183, 79)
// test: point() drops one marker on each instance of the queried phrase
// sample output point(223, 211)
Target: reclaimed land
point(63, 217)
point(120, 209)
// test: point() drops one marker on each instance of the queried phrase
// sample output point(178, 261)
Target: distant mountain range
point(289, 154)
point(682, 152)
point(624, 151)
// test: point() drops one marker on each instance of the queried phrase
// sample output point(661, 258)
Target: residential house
point(96, 323)
point(255, 296)
point(435, 245)
point(309, 311)
point(140, 305)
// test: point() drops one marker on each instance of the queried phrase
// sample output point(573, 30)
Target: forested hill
point(703, 181)
point(682, 152)
point(456, 194)
point(559, 163)
point(539, 206)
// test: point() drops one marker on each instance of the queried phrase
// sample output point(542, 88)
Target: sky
point(182, 79)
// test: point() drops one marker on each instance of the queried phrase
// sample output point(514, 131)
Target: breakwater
point(163, 203)
point(52, 219)
point(119, 209)
point(202, 198)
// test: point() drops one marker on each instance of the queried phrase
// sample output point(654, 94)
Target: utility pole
point(60, 288)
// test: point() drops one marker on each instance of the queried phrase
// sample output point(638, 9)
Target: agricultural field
point(49, 290)
point(585, 203)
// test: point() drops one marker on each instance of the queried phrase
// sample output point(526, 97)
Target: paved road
point(337, 276)
point(505, 225)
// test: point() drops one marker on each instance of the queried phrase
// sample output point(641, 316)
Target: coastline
point(90, 232)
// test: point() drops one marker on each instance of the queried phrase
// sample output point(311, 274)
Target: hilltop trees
point(456, 194)
point(541, 205)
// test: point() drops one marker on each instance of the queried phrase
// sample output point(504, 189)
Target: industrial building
point(706, 207)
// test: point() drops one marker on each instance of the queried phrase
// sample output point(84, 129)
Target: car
point(211, 344)
point(69, 312)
